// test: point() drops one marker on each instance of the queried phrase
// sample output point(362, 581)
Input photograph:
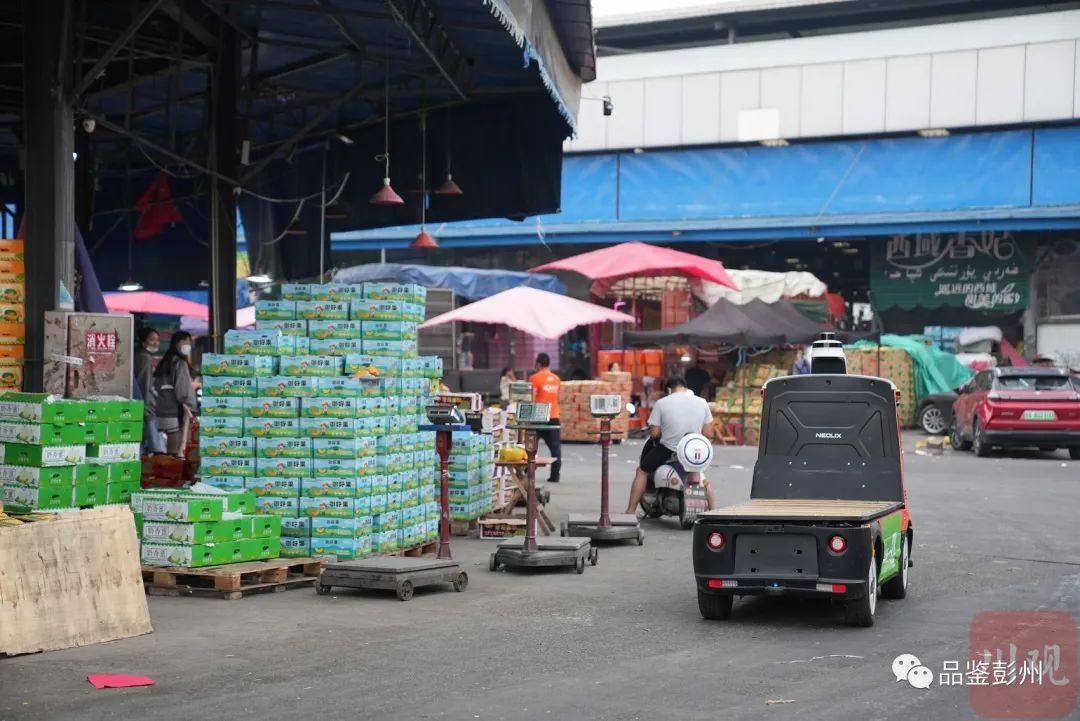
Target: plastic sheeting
point(936, 371)
point(765, 285)
point(470, 283)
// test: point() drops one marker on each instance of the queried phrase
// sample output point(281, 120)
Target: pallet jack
point(609, 527)
point(528, 552)
point(400, 573)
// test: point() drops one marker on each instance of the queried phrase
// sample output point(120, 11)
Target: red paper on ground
point(118, 680)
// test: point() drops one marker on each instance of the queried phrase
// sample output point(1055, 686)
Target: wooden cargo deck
point(809, 509)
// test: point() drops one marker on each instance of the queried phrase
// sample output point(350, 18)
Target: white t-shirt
point(677, 414)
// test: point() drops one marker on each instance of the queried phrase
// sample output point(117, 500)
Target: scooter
point(677, 488)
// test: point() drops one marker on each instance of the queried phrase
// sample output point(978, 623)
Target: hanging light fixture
point(260, 277)
point(448, 187)
point(386, 195)
point(423, 240)
point(130, 286)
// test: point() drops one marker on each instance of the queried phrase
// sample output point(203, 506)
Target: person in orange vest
point(545, 386)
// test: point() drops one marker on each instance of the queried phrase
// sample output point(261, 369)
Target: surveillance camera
point(89, 124)
point(609, 107)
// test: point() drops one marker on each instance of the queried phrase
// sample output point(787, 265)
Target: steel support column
point(224, 161)
point(49, 167)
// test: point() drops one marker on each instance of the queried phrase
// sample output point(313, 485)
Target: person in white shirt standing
point(675, 415)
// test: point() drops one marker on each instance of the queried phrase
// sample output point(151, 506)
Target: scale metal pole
point(443, 440)
point(605, 449)
point(531, 445)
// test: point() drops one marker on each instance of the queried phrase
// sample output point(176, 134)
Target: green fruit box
point(262, 527)
point(335, 346)
point(276, 506)
point(238, 366)
point(329, 427)
point(329, 488)
point(227, 447)
point(296, 291)
point(41, 408)
point(125, 472)
point(343, 292)
point(19, 454)
point(209, 466)
point(275, 310)
point(343, 467)
point(28, 498)
point(363, 365)
point(341, 527)
point(283, 447)
point(334, 329)
point(37, 477)
point(45, 434)
point(311, 365)
point(221, 386)
point(271, 407)
point(106, 409)
point(222, 407)
point(190, 534)
point(345, 448)
point(391, 348)
point(344, 387)
point(259, 342)
point(89, 473)
point(110, 452)
point(171, 507)
point(169, 554)
point(329, 408)
point(220, 427)
point(287, 327)
point(296, 547)
point(295, 527)
point(122, 432)
point(121, 492)
point(322, 310)
point(272, 427)
point(390, 310)
point(408, 292)
point(286, 387)
point(225, 483)
point(282, 467)
point(328, 506)
point(235, 501)
point(388, 330)
point(373, 407)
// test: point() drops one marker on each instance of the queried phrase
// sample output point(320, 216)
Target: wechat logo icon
point(908, 667)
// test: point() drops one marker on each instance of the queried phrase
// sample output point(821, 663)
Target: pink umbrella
point(533, 311)
point(146, 301)
point(634, 259)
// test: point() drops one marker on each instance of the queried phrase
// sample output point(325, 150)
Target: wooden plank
point(71, 581)
point(781, 508)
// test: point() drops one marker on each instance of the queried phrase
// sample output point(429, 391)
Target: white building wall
point(985, 72)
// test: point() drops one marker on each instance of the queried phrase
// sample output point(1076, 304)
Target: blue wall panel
point(1057, 167)
point(982, 170)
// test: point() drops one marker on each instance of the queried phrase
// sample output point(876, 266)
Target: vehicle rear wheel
point(1074, 453)
point(896, 587)
point(979, 444)
point(956, 440)
point(932, 420)
point(861, 611)
point(714, 607)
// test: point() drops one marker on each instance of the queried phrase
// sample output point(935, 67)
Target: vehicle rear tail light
point(722, 583)
point(837, 544)
point(832, 587)
point(715, 540)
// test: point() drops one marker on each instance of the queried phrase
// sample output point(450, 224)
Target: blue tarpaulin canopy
point(471, 283)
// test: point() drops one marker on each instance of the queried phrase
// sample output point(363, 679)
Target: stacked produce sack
point(316, 412)
point(63, 453)
point(12, 313)
point(202, 526)
point(577, 421)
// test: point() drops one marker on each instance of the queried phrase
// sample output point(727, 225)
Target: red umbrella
point(533, 311)
point(146, 301)
point(627, 260)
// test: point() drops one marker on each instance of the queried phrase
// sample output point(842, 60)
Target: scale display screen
point(605, 406)
point(533, 412)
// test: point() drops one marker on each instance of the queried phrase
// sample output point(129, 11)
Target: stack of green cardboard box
point(63, 453)
point(317, 412)
point(471, 471)
point(194, 527)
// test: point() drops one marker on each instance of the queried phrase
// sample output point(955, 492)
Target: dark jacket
point(173, 389)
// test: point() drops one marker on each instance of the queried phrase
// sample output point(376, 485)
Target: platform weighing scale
point(609, 526)
point(528, 552)
point(400, 573)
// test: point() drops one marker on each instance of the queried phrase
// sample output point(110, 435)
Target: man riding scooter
point(677, 414)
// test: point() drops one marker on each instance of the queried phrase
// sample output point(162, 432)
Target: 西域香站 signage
point(985, 271)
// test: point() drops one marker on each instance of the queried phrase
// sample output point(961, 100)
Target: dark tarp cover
point(471, 283)
point(783, 316)
point(724, 323)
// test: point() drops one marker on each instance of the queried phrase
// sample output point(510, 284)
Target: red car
point(1017, 407)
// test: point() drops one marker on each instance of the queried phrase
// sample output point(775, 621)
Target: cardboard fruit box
point(90, 473)
point(238, 366)
point(121, 492)
point(90, 494)
point(19, 454)
point(42, 435)
point(271, 407)
point(211, 554)
point(37, 477)
point(177, 508)
point(283, 447)
point(28, 498)
point(191, 534)
point(41, 408)
point(223, 407)
point(110, 452)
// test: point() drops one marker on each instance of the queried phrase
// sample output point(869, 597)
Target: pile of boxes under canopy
point(58, 453)
point(317, 412)
point(12, 313)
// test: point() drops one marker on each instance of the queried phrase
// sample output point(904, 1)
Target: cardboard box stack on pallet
point(202, 527)
point(576, 420)
point(472, 467)
point(317, 412)
point(64, 453)
point(12, 313)
point(893, 364)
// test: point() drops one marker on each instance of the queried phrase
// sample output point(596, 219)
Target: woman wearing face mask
point(149, 341)
point(173, 391)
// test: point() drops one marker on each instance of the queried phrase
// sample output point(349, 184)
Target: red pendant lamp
point(423, 240)
point(386, 194)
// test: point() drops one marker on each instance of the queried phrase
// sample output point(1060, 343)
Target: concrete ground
point(623, 641)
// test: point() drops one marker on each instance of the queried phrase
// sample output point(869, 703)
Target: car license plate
point(1039, 416)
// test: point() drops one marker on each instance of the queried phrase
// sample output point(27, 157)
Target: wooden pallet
point(417, 551)
point(233, 580)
